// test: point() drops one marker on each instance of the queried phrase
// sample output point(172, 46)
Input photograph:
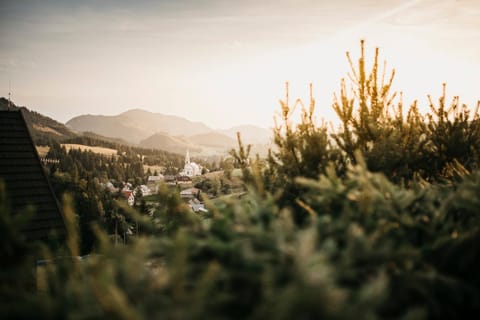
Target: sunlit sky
point(225, 62)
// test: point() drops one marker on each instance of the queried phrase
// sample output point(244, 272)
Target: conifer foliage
point(372, 121)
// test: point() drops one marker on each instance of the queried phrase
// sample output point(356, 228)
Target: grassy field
point(159, 169)
point(219, 174)
point(227, 198)
point(42, 150)
point(99, 150)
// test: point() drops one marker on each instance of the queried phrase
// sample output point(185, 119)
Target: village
point(183, 182)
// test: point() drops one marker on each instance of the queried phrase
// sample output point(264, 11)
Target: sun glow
point(421, 67)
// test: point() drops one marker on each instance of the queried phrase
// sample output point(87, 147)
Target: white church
point(190, 169)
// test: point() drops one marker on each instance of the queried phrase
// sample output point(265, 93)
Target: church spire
point(187, 157)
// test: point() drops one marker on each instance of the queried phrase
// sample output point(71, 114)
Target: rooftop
point(25, 181)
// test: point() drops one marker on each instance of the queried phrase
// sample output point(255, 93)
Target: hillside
point(136, 125)
point(169, 133)
point(166, 142)
point(98, 150)
point(94, 136)
point(144, 129)
point(46, 130)
point(42, 128)
point(109, 126)
point(155, 122)
point(213, 139)
point(249, 134)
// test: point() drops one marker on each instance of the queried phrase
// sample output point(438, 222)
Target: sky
point(226, 62)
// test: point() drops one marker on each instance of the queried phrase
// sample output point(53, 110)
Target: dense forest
point(84, 175)
point(378, 219)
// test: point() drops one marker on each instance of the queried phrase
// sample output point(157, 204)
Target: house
point(170, 180)
point(183, 180)
point(153, 182)
point(129, 196)
point(127, 187)
point(25, 181)
point(190, 193)
point(197, 206)
point(152, 188)
point(146, 191)
point(156, 179)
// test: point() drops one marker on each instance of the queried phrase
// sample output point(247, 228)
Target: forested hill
point(44, 129)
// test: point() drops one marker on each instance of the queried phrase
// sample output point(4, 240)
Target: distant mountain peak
point(167, 132)
point(135, 111)
point(136, 125)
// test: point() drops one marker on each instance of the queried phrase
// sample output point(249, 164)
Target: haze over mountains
point(167, 132)
point(145, 129)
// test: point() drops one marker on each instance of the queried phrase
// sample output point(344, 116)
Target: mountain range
point(167, 132)
point(144, 129)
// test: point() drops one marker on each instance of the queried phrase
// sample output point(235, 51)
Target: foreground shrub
point(406, 146)
point(379, 220)
point(372, 249)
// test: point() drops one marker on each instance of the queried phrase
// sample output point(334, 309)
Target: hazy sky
point(225, 62)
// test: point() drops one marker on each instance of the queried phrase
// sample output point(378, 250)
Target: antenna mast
point(9, 93)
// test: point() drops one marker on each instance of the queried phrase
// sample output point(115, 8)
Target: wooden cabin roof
point(25, 180)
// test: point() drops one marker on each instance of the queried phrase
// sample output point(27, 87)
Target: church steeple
point(187, 157)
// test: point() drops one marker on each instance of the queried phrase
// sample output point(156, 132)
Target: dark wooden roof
point(25, 181)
